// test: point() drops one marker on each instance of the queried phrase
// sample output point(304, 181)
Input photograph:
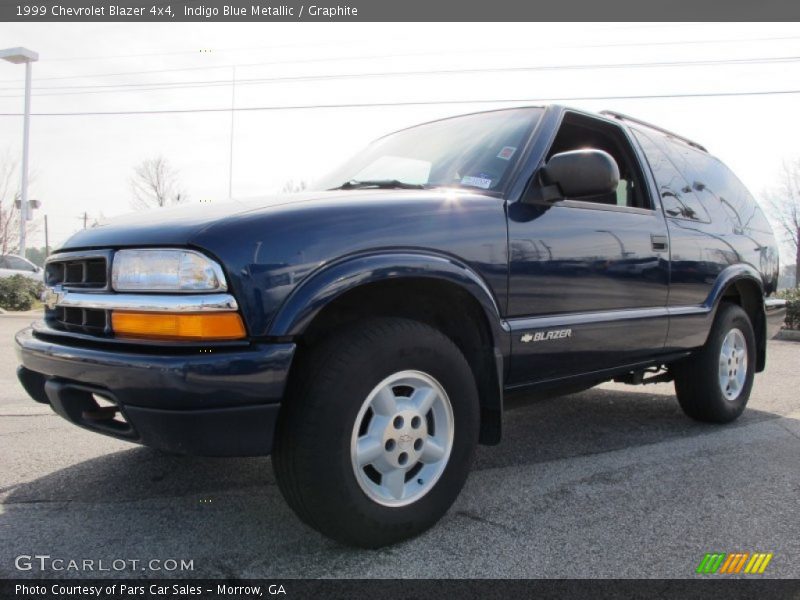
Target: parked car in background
point(11, 264)
point(365, 332)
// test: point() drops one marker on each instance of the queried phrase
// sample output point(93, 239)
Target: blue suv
point(365, 332)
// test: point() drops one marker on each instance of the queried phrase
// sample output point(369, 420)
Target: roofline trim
point(623, 117)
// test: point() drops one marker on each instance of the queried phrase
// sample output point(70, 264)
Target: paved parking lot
point(611, 482)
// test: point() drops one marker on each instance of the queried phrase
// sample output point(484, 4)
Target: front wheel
point(714, 384)
point(377, 435)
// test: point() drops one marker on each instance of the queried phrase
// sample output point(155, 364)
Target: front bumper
point(212, 402)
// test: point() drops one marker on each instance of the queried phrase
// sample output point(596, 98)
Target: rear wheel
point(714, 384)
point(377, 436)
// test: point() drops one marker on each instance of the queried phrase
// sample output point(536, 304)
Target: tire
point(346, 380)
point(705, 392)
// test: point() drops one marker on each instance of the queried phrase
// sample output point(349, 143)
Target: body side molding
point(562, 320)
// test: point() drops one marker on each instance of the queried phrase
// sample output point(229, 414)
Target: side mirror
point(579, 174)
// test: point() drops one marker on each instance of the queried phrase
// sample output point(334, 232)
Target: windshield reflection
point(471, 151)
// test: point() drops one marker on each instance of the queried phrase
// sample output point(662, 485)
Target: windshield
point(473, 151)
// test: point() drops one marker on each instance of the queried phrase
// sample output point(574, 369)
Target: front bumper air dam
point(222, 403)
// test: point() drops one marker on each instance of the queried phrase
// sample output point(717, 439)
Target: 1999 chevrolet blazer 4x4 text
point(365, 334)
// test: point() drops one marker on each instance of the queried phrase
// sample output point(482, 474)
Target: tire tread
point(696, 383)
point(296, 451)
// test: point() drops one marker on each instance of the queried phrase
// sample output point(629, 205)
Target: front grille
point(84, 271)
point(78, 271)
point(91, 321)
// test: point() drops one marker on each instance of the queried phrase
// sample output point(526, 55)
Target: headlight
point(165, 271)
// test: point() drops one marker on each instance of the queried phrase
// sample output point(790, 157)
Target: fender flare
point(334, 279)
point(731, 275)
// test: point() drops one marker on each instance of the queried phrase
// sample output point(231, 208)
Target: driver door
point(588, 276)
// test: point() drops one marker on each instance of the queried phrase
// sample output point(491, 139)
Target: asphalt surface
point(611, 482)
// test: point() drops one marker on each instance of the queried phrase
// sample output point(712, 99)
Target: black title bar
point(398, 589)
point(34, 11)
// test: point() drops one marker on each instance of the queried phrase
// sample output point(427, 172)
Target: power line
point(410, 103)
point(215, 50)
point(155, 86)
point(693, 42)
point(340, 42)
point(244, 65)
point(377, 56)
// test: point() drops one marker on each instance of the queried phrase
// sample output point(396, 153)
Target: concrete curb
point(22, 313)
point(788, 335)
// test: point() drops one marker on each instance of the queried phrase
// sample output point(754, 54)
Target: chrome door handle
point(659, 243)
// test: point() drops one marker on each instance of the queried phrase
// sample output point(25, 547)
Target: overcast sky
point(84, 163)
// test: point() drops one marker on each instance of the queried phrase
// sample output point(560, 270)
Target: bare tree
point(155, 184)
point(784, 204)
point(98, 219)
point(292, 186)
point(9, 204)
point(9, 197)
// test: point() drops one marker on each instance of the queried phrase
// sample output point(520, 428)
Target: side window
point(719, 189)
point(3, 264)
point(580, 131)
point(676, 193)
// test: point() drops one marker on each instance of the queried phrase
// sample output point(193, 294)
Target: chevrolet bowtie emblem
point(52, 296)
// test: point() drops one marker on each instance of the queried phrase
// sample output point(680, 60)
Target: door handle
point(659, 243)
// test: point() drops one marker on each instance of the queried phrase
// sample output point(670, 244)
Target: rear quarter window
point(718, 188)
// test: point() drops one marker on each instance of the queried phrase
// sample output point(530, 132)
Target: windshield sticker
point(481, 182)
point(507, 152)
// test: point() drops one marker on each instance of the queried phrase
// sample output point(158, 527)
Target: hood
point(176, 226)
point(181, 225)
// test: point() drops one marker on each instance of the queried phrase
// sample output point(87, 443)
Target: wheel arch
point(381, 285)
point(743, 285)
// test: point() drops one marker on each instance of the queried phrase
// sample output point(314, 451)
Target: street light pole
point(233, 115)
point(26, 127)
point(17, 56)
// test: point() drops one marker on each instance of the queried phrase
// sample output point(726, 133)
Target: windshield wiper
point(385, 184)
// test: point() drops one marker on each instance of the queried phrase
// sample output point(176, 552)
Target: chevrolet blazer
point(364, 333)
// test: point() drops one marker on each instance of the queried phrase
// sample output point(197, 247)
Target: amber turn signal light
point(178, 326)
